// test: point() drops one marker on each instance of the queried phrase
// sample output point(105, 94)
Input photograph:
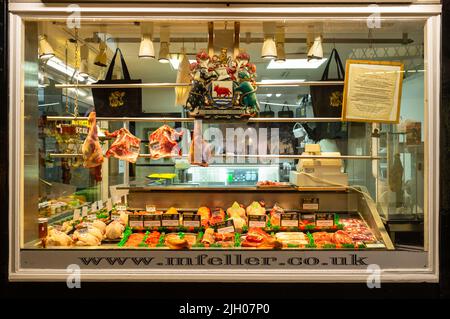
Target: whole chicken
point(58, 238)
point(236, 210)
point(87, 237)
point(99, 225)
point(239, 223)
point(91, 149)
point(114, 230)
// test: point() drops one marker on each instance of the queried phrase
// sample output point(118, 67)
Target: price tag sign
point(257, 221)
point(94, 207)
point(76, 214)
point(217, 212)
point(308, 219)
point(100, 204)
point(92, 216)
point(84, 211)
point(191, 220)
point(310, 204)
point(152, 220)
point(115, 216)
point(121, 208)
point(135, 221)
point(150, 208)
point(109, 204)
point(324, 219)
point(170, 220)
point(289, 220)
point(226, 226)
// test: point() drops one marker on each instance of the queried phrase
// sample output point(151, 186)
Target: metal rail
point(189, 119)
point(173, 85)
point(268, 156)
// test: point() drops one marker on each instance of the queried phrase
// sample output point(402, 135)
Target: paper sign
point(257, 221)
point(76, 214)
point(171, 220)
point(191, 220)
point(100, 204)
point(94, 207)
point(84, 211)
point(135, 221)
point(289, 220)
point(226, 226)
point(324, 219)
point(152, 220)
point(150, 208)
point(310, 204)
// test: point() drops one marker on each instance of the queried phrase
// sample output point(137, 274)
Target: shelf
point(229, 188)
point(344, 157)
point(173, 85)
point(189, 119)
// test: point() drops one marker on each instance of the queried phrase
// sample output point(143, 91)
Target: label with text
point(171, 220)
point(257, 221)
point(289, 220)
point(324, 219)
point(226, 226)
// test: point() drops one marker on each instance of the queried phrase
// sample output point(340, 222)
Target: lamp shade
point(146, 49)
point(316, 50)
point(269, 48)
point(164, 56)
point(101, 58)
point(281, 54)
point(45, 49)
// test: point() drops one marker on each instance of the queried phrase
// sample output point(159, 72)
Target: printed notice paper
point(372, 91)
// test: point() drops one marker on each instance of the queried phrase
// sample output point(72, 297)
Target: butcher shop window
point(208, 135)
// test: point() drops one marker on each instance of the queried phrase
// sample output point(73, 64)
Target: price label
point(92, 216)
point(150, 208)
point(152, 220)
point(324, 219)
point(289, 220)
point(135, 221)
point(121, 208)
point(310, 204)
point(84, 211)
point(76, 214)
point(217, 212)
point(191, 220)
point(170, 220)
point(109, 204)
point(308, 219)
point(226, 226)
point(100, 204)
point(115, 216)
point(94, 207)
point(257, 221)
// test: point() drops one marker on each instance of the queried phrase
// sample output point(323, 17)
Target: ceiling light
point(101, 58)
point(316, 50)
point(269, 95)
point(296, 64)
point(164, 52)
point(269, 48)
point(45, 49)
point(146, 49)
point(84, 55)
point(60, 66)
point(175, 60)
point(278, 94)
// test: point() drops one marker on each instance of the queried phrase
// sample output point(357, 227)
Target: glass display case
point(193, 143)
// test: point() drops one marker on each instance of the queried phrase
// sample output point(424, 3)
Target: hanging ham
point(125, 147)
point(162, 143)
point(91, 149)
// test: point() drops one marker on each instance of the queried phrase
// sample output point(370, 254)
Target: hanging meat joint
point(163, 143)
point(91, 149)
point(125, 147)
